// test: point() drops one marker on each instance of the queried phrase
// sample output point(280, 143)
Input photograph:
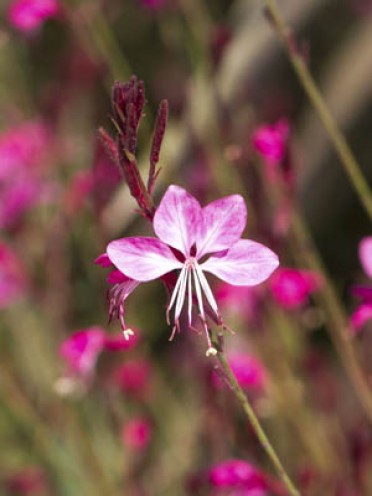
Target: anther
point(211, 352)
point(127, 333)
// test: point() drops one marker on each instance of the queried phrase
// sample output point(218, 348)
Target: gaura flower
point(291, 288)
point(136, 434)
point(270, 141)
point(195, 241)
point(29, 15)
point(236, 473)
point(363, 312)
point(248, 370)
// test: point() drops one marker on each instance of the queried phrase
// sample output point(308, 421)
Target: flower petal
point(365, 255)
point(224, 221)
point(363, 292)
point(178, 219)
point(142, 259)
point(246, 263)
point(360, 316)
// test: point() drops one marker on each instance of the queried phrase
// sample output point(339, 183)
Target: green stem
point(338, 326)
point(335, 134)
point(261, 435)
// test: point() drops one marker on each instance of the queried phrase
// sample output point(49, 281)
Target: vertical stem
point(262, 437)
point(340, 144)
point(338, 325)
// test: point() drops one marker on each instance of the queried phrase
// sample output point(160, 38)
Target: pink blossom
point(23, 147)
point(82, 349)
point(270, 141)
point(195, 240)
point(153, 4)
point(236, 474)
point(29, 15)
point(136, 434)
point(363, 312)
point(19, 196)
point(248, 370)
point(291, 288)
point(29, 481)
point(134, 377)
point(23, 150)
point(13, 279)
point(240, 300)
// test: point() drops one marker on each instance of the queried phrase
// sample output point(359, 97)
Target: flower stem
point(340, 144)
point(338, 326)
point(262, 437)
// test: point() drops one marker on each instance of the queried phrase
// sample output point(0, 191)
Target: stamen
point(206, 288)
point(199, 295)
point(174, 294)
point(189, 296)
point(181, 293)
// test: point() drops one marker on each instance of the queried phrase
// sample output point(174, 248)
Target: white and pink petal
point(224, 221)
point(178, 219)
point(141, 258)
point(246, 263)
point(365, 255)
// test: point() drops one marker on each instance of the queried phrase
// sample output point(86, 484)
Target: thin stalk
point(335, 134)
point(338, 325)
point(255, 423)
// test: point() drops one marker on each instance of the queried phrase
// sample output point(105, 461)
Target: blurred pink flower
point(29, 15)
point(23, 150)
point(23, 147)
point(291, 288)
point(13, 279)
point(136, 434)
point(248, 370)
point(187, 233)
point(270, 141)
point(242, 300)
point(153, 4)
point(82, 349)
point(133, 377)
point(237, 474)
point(363, 312)
point(18, 197)
point(29, 481)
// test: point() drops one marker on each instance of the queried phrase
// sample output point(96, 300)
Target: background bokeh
point(68, 429)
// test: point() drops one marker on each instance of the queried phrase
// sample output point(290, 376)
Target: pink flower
point(13, 279)
point(134, 377)
point(22, 147)
point(363, 312)
point(19, 196)
point(82, 349)
point(240, 300)
point(291, 288)
point(29, 481)
point(23, 150)
point(195, 240)
point(153, 4)
point(236, 474)
point(248, 370)
point(136, 434)
point(270, 141)
point(29, 15)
